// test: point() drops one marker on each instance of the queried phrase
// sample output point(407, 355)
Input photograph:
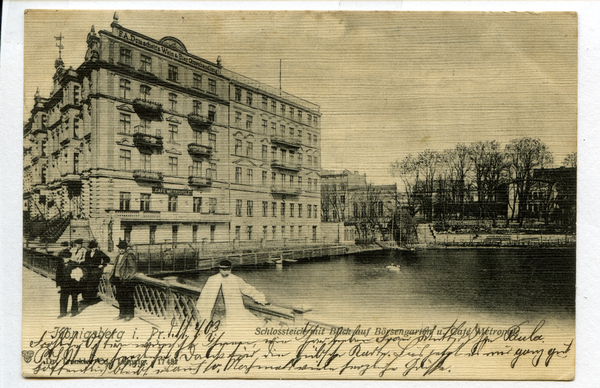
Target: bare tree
point(523, 156)
point(570, 160)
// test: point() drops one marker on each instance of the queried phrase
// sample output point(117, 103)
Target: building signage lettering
point(166, 51)
point(162, 190)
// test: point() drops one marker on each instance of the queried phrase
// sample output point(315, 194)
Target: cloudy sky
point(388, 84)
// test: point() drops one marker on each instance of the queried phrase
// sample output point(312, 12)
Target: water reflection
point(441, 283)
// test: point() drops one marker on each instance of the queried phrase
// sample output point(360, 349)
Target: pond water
point(431, 287)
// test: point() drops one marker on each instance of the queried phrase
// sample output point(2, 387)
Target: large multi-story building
point(147, 142)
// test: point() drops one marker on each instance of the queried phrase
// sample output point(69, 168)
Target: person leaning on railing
point(122, 275)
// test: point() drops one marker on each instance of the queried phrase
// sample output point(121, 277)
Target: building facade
point(147, 142)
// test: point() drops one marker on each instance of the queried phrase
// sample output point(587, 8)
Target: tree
point(333, 201)
point(523, 156)
point(570, 160)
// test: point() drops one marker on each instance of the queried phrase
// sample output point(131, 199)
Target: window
point(309, 118)
point(291, 112)
point(144, 126)
point(145, 92)
point(146, 63)
point(265, 103)
point(283, 232)
point(125, 56)
point(283, 179)
point(144, 202)
point(173, 165)
point(212, 205)
point(238, 207)
point(273, 128)
point(249, 98)
point(299, 115)
point(309, 139)
point(264, 126)
point(282, 130)
point(249, 149)
point(237, 232)
point(283, 209)
point(43, 175)
point(197, 205)
point(292, 153)
point(238, 175)
point(309, 211)
point(300, 135)
point(238, 118)
point(283, 109)
point(273, 153)
point(273, 209)
point(43, 148)
point(316, 121)
point(274, 106)
point(264, 178)
point(75, 94)
point(316, 215)
point(292, 231)
point(212, 86)
point(300, 163)
point(274, 228)
point(300, 231)
point(292, 209)
point(127, 233)
point(212, 141)
point(212, 113)
point(211, 173)
point(125, 160)
point(197, 107)
point(173, 101)
point(173, 129)
point(152, 237)
point(173, 73)
point(265, 151)
point(310, 164)
point(300, 182)
point(145, 162)
point(316, 162)
point(249, 122)
point(249, 232)
point(291, 180)
point(174, 230)
point(250, 174)
point(238, 94)
point(299, 212)
point(172, 203)
point(292, 131)
point(238, 147)
point(197, 81)
point(250, 208)
point(194, 233)
point(315, 140)
point(265, 208)
point(273, 178)
point(125, 123)
point(124, 88)
point(265, 232)
point(196, 168)
point(212, 230)
point(124, 200)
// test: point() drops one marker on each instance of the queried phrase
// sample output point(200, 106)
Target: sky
point(389, 84)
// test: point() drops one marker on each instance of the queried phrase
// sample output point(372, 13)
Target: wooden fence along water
point(159, 300)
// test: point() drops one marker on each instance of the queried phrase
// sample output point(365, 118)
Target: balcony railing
point(148, 109)
point(147, 141)
point(136, 214)
point(199, 123)
point(286, 141)
point(199, 181)
point(285, 190)
point(149, 176)
point(283, 165)
point(199, 150)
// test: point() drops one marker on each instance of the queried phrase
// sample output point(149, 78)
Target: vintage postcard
point(299, 195)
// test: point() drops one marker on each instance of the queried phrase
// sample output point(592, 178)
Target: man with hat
point(69, 286)
point(78, 251)
point(222, 298)
point(93, 266)
point(122, 277)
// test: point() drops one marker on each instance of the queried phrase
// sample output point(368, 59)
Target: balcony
point(148, 176)
point(285, 190)
point(199, 150)
point(199, 123)
point(143, 140)
point(148, 109)
point(136, 214)
point(199, 181)
point(290, 142)
point(283, 165)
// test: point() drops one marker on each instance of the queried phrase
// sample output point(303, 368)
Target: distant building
point(147, 142)
point(553, 196)
point(365, 209)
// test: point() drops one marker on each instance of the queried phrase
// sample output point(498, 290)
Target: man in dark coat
point(93, 267)
point(69, 287)
point(122, 278)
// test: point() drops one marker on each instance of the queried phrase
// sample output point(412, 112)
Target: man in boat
point(222, 300)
